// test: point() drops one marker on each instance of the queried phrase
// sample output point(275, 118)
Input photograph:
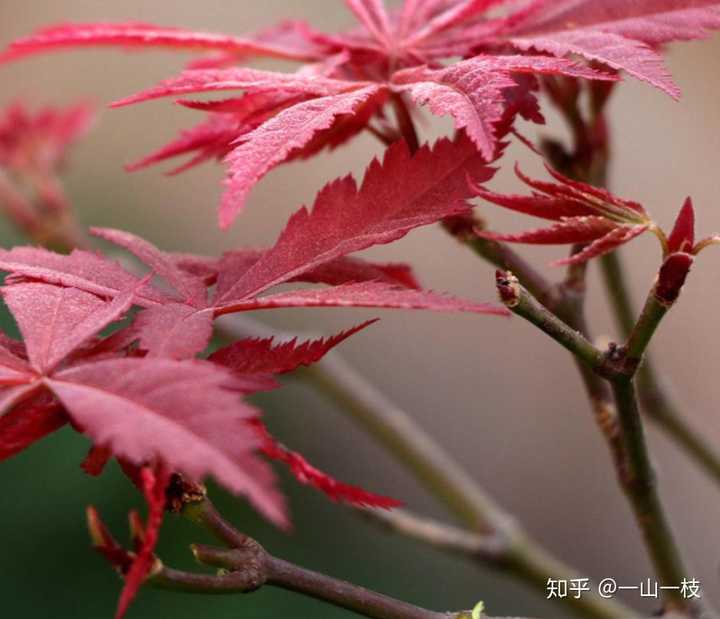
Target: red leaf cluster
point(132, 380)
point(583, 214)
point(119, 355)
point(412, 51)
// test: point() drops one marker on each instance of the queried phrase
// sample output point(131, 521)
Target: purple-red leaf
point(583, 214)
point(272, 84)
point(144, 35)
point(81, 269)
point(24, 425)
point(191, 289)
point(344, 270)
point(13, 369)
point(347, 270)
point(154, 484)
point(472, 91)
point(472, 95)
point(346, 219)
point(445, 16)
point(570, 230)
point(37, 141)
point(604, 245)
point(372, 15)
point(183, 413)
point(209, 139)
point(275, 140)
point(620, 34)
point(56, 321)
point(105, 544)
point(174, 331)
point(262, 356)
point(95, 460)
point(368, 294)
point(305, 473)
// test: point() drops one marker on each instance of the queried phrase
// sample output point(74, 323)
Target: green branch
point(519, 301)
point(514, 552)
point(659, 406)
point(632, 460)
point(638, 481)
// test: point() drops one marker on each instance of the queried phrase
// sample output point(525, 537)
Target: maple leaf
point(283, 116)
point(173, 330)
point(38, 140)
point(472, 91)
point(148, 409)
point(190, 290)
point(177, 322)
point(346, 218)
point(272, 142)
point(263, 356)
point(619, 34)
point(306, 473)
point(105, 544)
point(14, 368)
point(95, 460)
point(138, 34)
point(347, 270)
point(34, 145)
point(367, 294)
point(81, 269)
point(134, 566)
point(314, 111)
point(583, 214)
point(142, 409)
point(26, 424)
point(154, 484)
point(56, 321)
point(343, 270)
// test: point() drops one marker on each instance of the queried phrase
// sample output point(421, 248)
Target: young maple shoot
point(124, 358)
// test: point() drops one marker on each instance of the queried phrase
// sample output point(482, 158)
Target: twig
point(618, 292)
point(657, 403)
point(633, 463)
point(247, 566)
point(344, 594)
point(519, 300)
point(571, 309)
point(398, 432)
point(638, 480)
point(405, 440)
point(515, 553)
point(438, 534)
point(252, 567)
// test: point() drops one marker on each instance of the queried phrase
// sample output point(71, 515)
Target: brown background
point(500, 395)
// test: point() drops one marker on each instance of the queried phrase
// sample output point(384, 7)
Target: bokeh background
point(499, 395)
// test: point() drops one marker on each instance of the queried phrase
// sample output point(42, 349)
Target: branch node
point(508, 287)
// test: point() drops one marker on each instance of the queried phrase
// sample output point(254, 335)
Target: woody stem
point(657, 403)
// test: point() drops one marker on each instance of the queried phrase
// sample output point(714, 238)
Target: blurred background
point(504, 399)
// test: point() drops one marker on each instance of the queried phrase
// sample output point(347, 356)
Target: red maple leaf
point(583, 214)
point(177, 320)
point(349, 77)
point(34, 145)
point(127, 404)
point(140, 395)
point(134, 566)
